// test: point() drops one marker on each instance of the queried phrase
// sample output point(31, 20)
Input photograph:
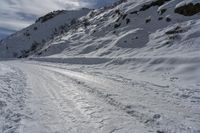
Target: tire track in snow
point(91, 109)
point(128, 109)
point(144, 114)
point(96, 96)
point(58, 101)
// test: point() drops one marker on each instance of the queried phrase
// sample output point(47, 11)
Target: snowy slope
point(147, 32)
point(130, 29)
point(130, 67)
point(144, 36)
point(35, 36)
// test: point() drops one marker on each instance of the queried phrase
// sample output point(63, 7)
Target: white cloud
point(97, 3)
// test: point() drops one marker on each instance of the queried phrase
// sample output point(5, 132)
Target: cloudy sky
point(17, 14)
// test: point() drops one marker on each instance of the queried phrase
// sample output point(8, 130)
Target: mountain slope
point(46, 28)
point(153, 36)
point(144, 36)
point(156, 35)
point(128, 30)
point(130, 67)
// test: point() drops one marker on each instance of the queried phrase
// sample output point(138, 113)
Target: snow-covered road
point(49, 99)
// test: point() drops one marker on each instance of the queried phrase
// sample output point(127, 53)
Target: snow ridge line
point(120, 61)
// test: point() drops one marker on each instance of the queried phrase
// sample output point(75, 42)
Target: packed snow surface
point(49, 98)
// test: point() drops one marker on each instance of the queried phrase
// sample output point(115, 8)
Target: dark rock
point(189, 9)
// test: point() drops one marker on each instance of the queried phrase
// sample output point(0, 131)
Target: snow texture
point(130, 67)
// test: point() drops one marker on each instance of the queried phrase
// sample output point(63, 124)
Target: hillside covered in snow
point(140, 57)
point(164, 33)
point(156, 28)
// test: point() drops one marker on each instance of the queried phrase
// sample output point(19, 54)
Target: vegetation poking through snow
point(34, 46)
point(173, 34)
point(49, 16)
point(26, 53)
point(35, 28)
point(148, 20)
point(134, 12)
point(128, 21)
point(73, 21)
point(188, 9)
point(174, 31)
point(85, 22)
point(27, 34)
point(168, 19)
point(117, 25)
point(162, 11)
point(152, 4)
point(124, 16)
point(160, 18)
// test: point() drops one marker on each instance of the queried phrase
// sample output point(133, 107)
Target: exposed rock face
point(189, 9)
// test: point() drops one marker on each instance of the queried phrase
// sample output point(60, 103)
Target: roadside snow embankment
point(12, 99)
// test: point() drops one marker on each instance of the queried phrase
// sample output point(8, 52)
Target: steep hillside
point(130, 67)
point(149, 34)
point(130, 29)
point(154, 36)
point(32, 38)
point(139, 28)
point(158, 35)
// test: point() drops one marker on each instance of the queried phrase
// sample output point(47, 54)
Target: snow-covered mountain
point(163, 32)
point(130, 29)
point(158, 31)
point(155, 31)
point(46, 28)
point(130, 67)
